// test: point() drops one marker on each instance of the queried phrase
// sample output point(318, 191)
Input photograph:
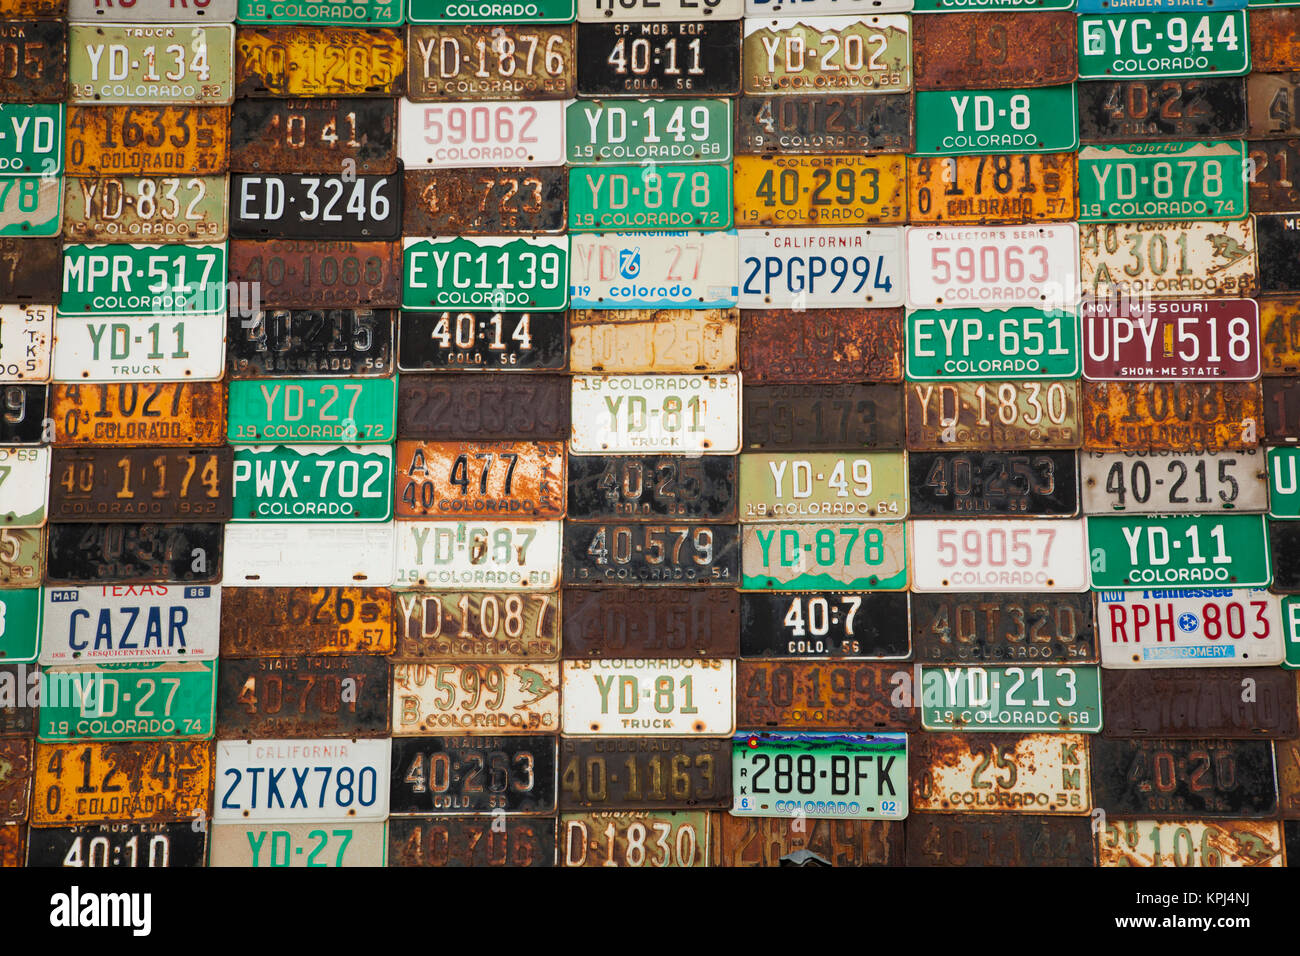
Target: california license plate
point(861, 54)
point(661, 131)
point(636, 838)
point(481, 61)
point(825, 625)
point(502, 555)
point(313, 483)
point(978, 343)
point(648, 698)
point(653, 340)
point(1003, 188)
point(659, 59)
point(301, 781)
point(476, 625)
point(783, 487)
point(801, 268)
point(978, 699)
point(986, 122)
point(128, 701)
point(1010, 773)
point(306, 620)
point(824, 122)
point(459, 135)
point(499, 273)
point(651, 554)
point(132, 208)
point(309, 554)
point(691, 414)
point(992, 266)
point(1162, 181)
point(353, 13)
point(991, 484)
point(1163, 44)
point(282, 343)
point(299, 844)
point(26, 342)
point(313, 136)
point(1138, 552)
point(31, 139)
point(148, 140)
point(1171, 416)
point(629, 271)
point(30, 205)
point(810, 557)
point(181, 348)
point(472, 772)
point(154, 781)
point(1003, 415)
point(319, 61)
point(1183, 843)
point(363, 411)
point(24, 474)
point(1177, 339)
point(151, 64)
point(499, 698)
point(126, 623)
point(1012, 554)
point(1206, 627)
point(631, 197)
point(1170, 482)
point(22, 635)
point(291, 206)
point(1125, 111)
point(447, 479)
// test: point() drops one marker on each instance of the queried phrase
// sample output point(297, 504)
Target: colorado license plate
point(823, 123)
point(993, 484)
point(1162, 181)
point(128, 701)
point(1006, 188)
point(617, 622)
point(131, 208)
point(501, 698)
point(1163, 44)
point(1171, 416)
point(487, 341)
point(306, 620)
point(824, 625)
point(659, 59)
point(821, 268)
point(319, 61)
point(131, 280)
point(1171, 482)
point(313, 410)
point(997, 773)
point(1003, 627)
point(992, 266)
point(459, 135)
point(977, 343)
point(479, 11)
point(281, 343)
point(315, 554)
point(150, 11)
point(481, 407)
point(653, 340)
point(630, 271)
point(777, 487)
point(985, 122)
point(476, 625)
point(313, 136)
point(371, 13)
point(24, 474)
point(820, 190)
point(291, 206)
point(794, 55)
point(604, 11)
point(22, 558)
point(660, 131)
point(22, 635)
point(299, 844)
point(503, 200)
point(1020, 555)
point(1196, 778)
point(1003, 415)
point(133, 553)
point(636, 838)
point(1183, 843)
point(311, 273)
point(148, 140)
point(152, 781)
point(811, 557)
point(1188, 627)
point(183, 348)
point(480, 61)
point(1134, 551)
point(472, 773)
point(697, 414)
point(785, 346)
point(30, 205)
point(502, 555)
point(817, 695)
point(503, 274)
point(26, 342)
point(1181, 259)
point(625, 196)
point(335, 695)
point(31, 139)
point(1125, 111)
point(151, 64)
point(978, 699)
point(823, 417)
point(128, 845)
point(336, 483)
point(301, 781)
point(648, 698)
point(994, 49)
point(447, 479)
point(129, 623)
point(651, 554)
point(155, 413)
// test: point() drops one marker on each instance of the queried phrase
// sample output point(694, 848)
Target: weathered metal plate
point(831, 625)
point(654, 487)
point(501, 200)
point(128, 845)
point(820, 190)
point(966, 51)
point(824, 123)
point(823, 417)
point(976, 415)
point(998, 627)
point(460, 135)
point(1284, 552)
point(1000, 773)
point(778, 487)
point(24, 476)
point(129, 623)
point(313, 555)
point(820, 695)
point(981, 123)
point(1196, 259)
point(147, 140)
point(1169, 416)
point(521, 479)
point(614, 697)
point(30, 206)
point(1158, 45)
point(625, 414)
point(319, 61)
point(22, 416)
point(483, 61)
point(22, 557)
point(111, 64)
point(642, 553)
point(993, 484)
point(277, 781)
point(1012, 699)
point(638, 196)
point(520, 274)
point(992, 266)
point(313, 136)
point(133, 553)
point(1274, 40)
point(605, 11)
point(1279, 252)
point(1271, 105)
point(787, 346)
point(1274, 164)
point(509, 556)
point(490, 341)
point(128, 484)
point(1166, 482)
point(1284, 488)
point(16, 771)
point(317, 273)
point(1257, 702)
point(299, 844)
point(693, 270)
point(148, 11)
point(1163, 108)
point(1184, 843)
point(1145, 181)
point(815, 54)
point(983, 840)
point(599, 131)
point(20, 701)
point(21, 638)
point(1171, 340)
point(477, 625)
point(623, 773)
point(326, 696)
point(1288, 777)
point(305, 343)
point(1184, 778)
point(151, 781)
point(150, 701)
point(659, 59)
point(472, 774)
point(30, 270)
point(472, 841)
point(111, 280)
point(1138, 551)
point(489, 407)
point(149, 348)
point(26, 339)
point(351, 12)
point(305, 620)
point(620, 622)
point(336, 483)
point(133, 208)
point(1005, 188)
point(35, 8)
point(773, 841)
point(653, 340)
point(313, 410)
point(636, 838)
point(479, 11)
point(35, 61)
point(294, 206)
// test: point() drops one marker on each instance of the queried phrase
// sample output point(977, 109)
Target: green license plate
point(979, 122)
point(824, 557)
point(31, 139)
point(1039, 699)
point(306, 483)
point(1284, 482)
point(1136, 551)
point(305, 411)
point(943, 344)
point(1149, 182)
point(660, 131)
point(1291, 628)
point(124, 279)
point(694, 196)
point(20, 635)
point(501, 274)
point(344, 13)
point(842, 486)
point(128, 701)
point(31, 205)
point(1118, 47)
point(491, 11)
point(824, 776)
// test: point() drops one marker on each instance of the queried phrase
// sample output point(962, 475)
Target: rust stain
point(1172, 416)
point(964, 51)
point(1274, 40)
point(787, 346)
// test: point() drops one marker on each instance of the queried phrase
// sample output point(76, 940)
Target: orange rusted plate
point(16, 770)
point(471, 841)
point(148, 140)
point(306, 621)
point(819, 695)
point(1009, 188)
point(624, 341)
point(14, 9)
point(1171, 416)
point(34, 67)
point(1274, 40)
point(1288, 777)
point(1274, 165)
point(772, 841)
point(1279, 333)
point(976, 51)
point(457, 479)
point(1184, 843)
point(477, 625)
point(124, 781)
point(11, 844)
point(319, 61)
point(790, 347)
point(166, 414)
point(992, 415)
point(1000, 773)
point(998, 839)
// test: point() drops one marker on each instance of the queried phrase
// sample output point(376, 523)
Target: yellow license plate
point(148, 140)
point(168, 414)
point(319, 61)
point(1010, 188)
point(124, 781)
point(820, 190)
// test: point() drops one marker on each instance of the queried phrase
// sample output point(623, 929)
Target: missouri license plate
point(1020, 554)
point(504, 555)
point(810, 557)
point(824, 123)
point(785, 346)
point(819, 190)
point(1004, 188)
point(992, 266)
point(306, 620)
point(22, 557)
point(117, 624)
point(1167, 108)
point(299, 844)
point(31, 139)
point(470, 840)
point(1162, 181)
point(372, 13)
point(1183, 843)
point(803, 268)
point(993, 484)
point(339, 695)
point(479, 408)
point(689, 270)
point(1202, 703)
point(177, 349)
point(778, 487)
point(477, 134)
point(292, 206)
point(319, 274)
point(619, 773)
point(319, 61)
point(648, 698)
point(22, 636)
point(994, 50)
point(625, 196)
point(447, 479)
point(696, 414)
point(300, 781)
point(1174, 259)
point(152, 781)
point(645, 554)
point(653, 487)
point(1001, 773)
point(1163, 44)
point(128, 701)
point(472, 774)
point(978, 343)
point(506, 200)
point(660, 131)
point(1185, 778)
point(994, 414)
point(975, 699)
point(131, 208)
point(147, 140)
point(313, 410)
point(321, 554)
point(131, 280)
point(653, 340)
point(281, 343)
point(313, 483)
point(479, 61)
point(504, 698)
point(995, 627)
point(617, 622)
point(488, 341)
point(1135, 551)
point(133, 553)
point(26, 342)
point(825, 625)
point(151, 64)
point(823, 417)
point(1174, 339)
point(156, 414)
point(1171, 416)
point(479, 11)
point(987, 122)
point(128, 845)
point(313, 136)
point(30, 205)
point(24, 475)
point(503, 274)
point(126, 484)
point(820, 695)
point(659, 59)
point(637, 838)
point(1171, 482)
point(477, 625)
point(852, 54)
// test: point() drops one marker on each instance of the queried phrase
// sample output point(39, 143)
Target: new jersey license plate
point(978, 699)
point(695, 414)
point(648, 698)
point(689, 270)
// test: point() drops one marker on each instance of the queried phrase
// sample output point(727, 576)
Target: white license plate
point(821, 268)
point(999, 555)
point(473, 697)
point(300, 781)
point(684, 270)
point(992, 267)
point(131, 623)
point(26, 338)
point(182, 348)
point(299, 844)
point(456, 135)
point(1172, 259)
point(635, 11)
point(24, 475)
point(648, 698)
point(1163, 482)
point(150, 11)
point(827, 8)
point(312, 554)
point(491, 555)
point(626, 414)
point(1190, 627)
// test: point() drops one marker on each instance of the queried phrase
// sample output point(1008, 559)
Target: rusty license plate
point(816, 54)
point(477, 625)
point(1281, 410)
point(816, 695)
point(486, 201)
point(1184, 843)
point(135, 208)
point(626, 341)
point(22, 557)
point(986, 839)
point(320, 273)
point(1188, 778)
point(31, 270)
point(295, 206)
point(519, 408)
point(504, 698)
point(636, 838)
point(966, 51)
point(652, 554)
point(993, 484)
point(306, 343)
point(25, 343)
point(22, 414)
point(17, 719)
point(820, 190)
point(319, 61)
point(617, 622)
point(128, 484)
point(128, 845)
point(1274, 164)
point(313, 136)
point(460, 774)
point(135, 781)
point(833, 625)
point(1205, 702)
point(659, 59)
point(1167, 108)
point(776, 841)
point(1195, 259)
point(824, 123)
point(488, 341)
point(1003, 628)
point(169, 414)
point(480, 61)
point(35, 8)
point(655, 487)
point(823, 417)
point(1007, 188)
point(1284, 555)
point(1171, 416)
point(663, 773)
point(306, 620)
point(1000, 773)
point(33, 61)
point(134, 553)
point(792, 347)
point(977, 415)
point(1288, 777)
point(308, 696)
point(1271, 103)
point(147, 140)
point(1279, 252)
point(198, 75)
point(498, 479)
point(471, 841)
point(1274, 40)
point(16, 771)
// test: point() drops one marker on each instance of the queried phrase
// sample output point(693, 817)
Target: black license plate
point(296, 206)
point(134, 553)
point(133, 484)
point(973, 484)
point(513, 201)
point(825, 123)
point(490, 341)
point(129, 845)
point(1180, 778)
point(484, 408)
point(343, 695)
point(319, 273)
point(1273, 186)
point(870, 626)
point(31, 270)
point(313, 136)
point(1279, 252)
point(16, 717)
point(307, 342)
point(817, 417)
point(22, 413)
point(471, 841)
point(1125, 111)
point(1284, 556)
point(997, 839)
point(1200, 702)
point(472, 775)
point(997, 628)
point(659, 59)
point(682, 488)
point(660, 773)
point(665, 623)
point(1281, 411)
point(33, 61)
point(651, 553)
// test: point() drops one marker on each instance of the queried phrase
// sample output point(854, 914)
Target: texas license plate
point(1183, 843)
point(313, 136)
point(1163, 44)
point(978, 343)
point(182, 348)
point(319, 61)
point(291, 206)
point(313, 410)
point(131, 208)
point(1162, 181)
point(1134, 551)
point(978, 699)
point(1189, 778)
point(853, 53)
point(26, 342)
point(477, 625)
point(801, 268)
point(993, 484)
point(151, 64)
point(786, 346)
point(353, 13)
point(653, 340)
point(976, 415)
point(24, 474)
point(812, 557)
point(992, 266)
point(336, 695)
point(625, 196)
point(299, 844)
point(31, 139)
point(459, 135)
point(448, 479)
point(481, 61)
point(133, 553)
point(659, 59)
point(636, 838)
point(996, 627)
point(336, 483)
point(472, 773)
point(1171, 482)
point(1014, 554)
point(824, 625)
point(819, 695)
point(986, 122)
point(503, 698)
point(127, 484)
point(660, 131)
point(301, 781)
point(118, 844)
point(1126, 111)
point(311, 554)
point(281, 343)
point(617, 622)
point(1007, 188)
point(780, 487)
point(148, 140)
point(648, 698)
point(153, 781)
point(1001, 773)
point(128, 701)
point(628, 271)
point(309, 273)
point(487, 341)
point(504, 200)
point(1007, 49)
point(646, 554)
point(503, 555)
point(499, 273)
point(129, 623)
point(479, 11)
point(1178, 339)
point(695, 414)
point(132, 280)
point(1171, 416)
point(30, 205)
point(306, 620)
point(824, 122)
point(21, 639)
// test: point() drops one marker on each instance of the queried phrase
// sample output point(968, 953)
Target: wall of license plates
point(649, 432)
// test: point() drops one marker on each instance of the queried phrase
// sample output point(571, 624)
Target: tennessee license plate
point(992, 266)
point(131, 208)
point(1171, 482)
point(151, 64)
point(152, 781)
point(459, 135)
point(1162, 181)
point(986, 122)
point(313, 410)
point(1183, 843)
point(659, 59)
point(1006, 188)
point(779, 487)
point(148, 140)
point(1135, 551)
point(301, 781)
point(978, 699)
point(648, 698)
point(282, 343)
point(446, 479)
point(309, 554)
point(812, 557)
point(502, 555)
point(182, 348)
point(128, 701)
point(653, 340)
point(306, 620)
point(319, 61)
point(1189, 627)
point(695, 414)
point(313, 483)
point(660, 131)
point(977, 343)
point(129, 623)
point(1003, 415)
point(1019, 555)
point(482, 61)
point(290, 206)
point(499, 273)
point(299, 844)
point(859, 54)
point(689, 270)
point(503, 698)
point(993, 484)
point(803, 268)
point(1163, 44)
point(1003, 773)
point(26, 342)
point(476, 625)
point(625, 196)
